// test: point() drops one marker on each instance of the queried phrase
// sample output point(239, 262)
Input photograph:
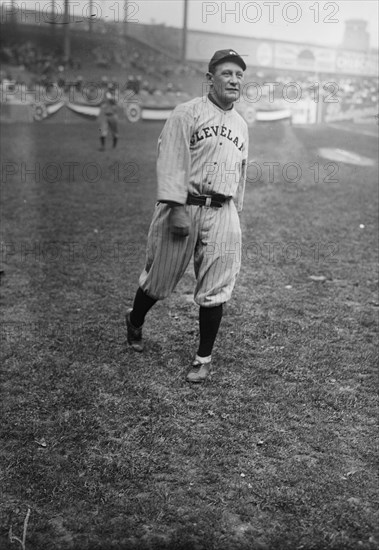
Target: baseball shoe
point(199, 372)
point(134, 334)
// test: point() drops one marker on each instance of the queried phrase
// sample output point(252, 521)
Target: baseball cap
point(226, 55)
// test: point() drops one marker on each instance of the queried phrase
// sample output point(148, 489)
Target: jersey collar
point(211, 100)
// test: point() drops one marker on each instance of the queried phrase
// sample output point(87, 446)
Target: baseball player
point(201, 172)
point(108, 119)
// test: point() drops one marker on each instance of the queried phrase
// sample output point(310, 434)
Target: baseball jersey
point(109, 107)
point(202, 150)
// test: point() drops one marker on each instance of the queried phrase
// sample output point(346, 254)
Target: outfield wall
point(132, 113)
point(302, 112)
point(19, 105)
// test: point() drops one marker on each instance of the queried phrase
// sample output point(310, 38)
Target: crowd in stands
point(147, 68)
point(143, 69)
point(360, 91)
point(34, 59)
point(354, 90)
point(147, 71)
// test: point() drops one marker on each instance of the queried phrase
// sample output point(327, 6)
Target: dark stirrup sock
point(210, 319)
point(142, 304)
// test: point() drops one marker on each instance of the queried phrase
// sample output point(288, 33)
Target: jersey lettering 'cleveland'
point(202, 150)
point(213, 132)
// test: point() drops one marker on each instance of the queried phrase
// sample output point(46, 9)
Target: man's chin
point(232, 96)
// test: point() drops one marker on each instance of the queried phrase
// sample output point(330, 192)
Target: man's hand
point(179, 221)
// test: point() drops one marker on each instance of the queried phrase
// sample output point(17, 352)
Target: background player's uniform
point(202, 150)
point(108, 118)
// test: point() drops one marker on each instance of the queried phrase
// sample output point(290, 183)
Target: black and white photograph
point(189, 274)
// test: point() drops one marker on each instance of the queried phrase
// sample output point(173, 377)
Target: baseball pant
point(109, 123)
point(214, 243)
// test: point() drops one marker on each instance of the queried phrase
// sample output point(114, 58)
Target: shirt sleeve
point(242, 182)
point(174, 157)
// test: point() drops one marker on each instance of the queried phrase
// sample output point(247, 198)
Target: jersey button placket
point(222, 124)
point(214, 164)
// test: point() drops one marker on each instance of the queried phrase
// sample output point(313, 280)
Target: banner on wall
point(133, 112)
point(259, 112)
point(153, 109)
point(89, 111)
point(303, 58)
point(357, 63)
point(276, 54)
point(40, 110)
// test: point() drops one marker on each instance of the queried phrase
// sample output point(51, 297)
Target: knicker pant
point(214, 243)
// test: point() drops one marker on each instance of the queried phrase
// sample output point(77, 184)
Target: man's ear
point(209, 78)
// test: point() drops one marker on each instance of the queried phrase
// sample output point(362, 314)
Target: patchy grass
point(111, 449)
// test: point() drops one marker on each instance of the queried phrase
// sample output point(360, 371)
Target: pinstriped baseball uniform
point(202, 150)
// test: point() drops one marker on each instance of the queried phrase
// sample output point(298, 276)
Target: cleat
point(134, 334)
point(199, 372)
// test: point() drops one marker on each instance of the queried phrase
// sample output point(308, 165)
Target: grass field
point(111, 449)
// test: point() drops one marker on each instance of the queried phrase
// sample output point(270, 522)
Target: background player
point(201, 170)
point(108, 119)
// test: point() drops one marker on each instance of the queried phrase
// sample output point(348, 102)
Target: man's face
point(226, 80)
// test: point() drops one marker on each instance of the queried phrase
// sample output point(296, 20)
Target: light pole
point(90, 28)
point(53, 17)
point(125, 17)
point(67, 49)
point(184, 33)
point(13, 18)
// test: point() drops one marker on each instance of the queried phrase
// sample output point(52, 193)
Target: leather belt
point(214, 201)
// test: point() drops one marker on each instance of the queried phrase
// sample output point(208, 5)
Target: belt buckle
point(208, 202)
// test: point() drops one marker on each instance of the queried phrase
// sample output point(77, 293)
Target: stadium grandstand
point(311, 83)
